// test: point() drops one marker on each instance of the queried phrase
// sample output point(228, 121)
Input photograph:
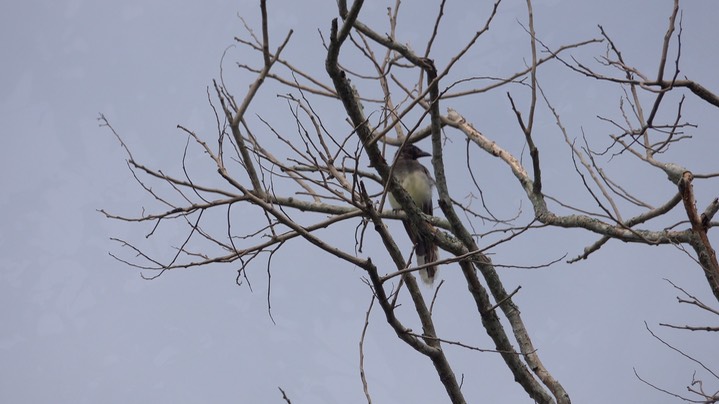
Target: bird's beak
point(423, 153)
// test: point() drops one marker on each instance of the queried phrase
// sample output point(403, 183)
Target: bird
point(418, 182)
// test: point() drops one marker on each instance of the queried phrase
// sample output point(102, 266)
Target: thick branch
point(363, 131)
point(700, 242)
point(496, 332)
point(542, 212)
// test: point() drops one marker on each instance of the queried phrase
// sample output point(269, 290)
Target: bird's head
point(412, 152)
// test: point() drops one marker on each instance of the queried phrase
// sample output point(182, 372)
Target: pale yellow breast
point(417, 185)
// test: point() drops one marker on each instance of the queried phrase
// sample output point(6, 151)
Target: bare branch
point(361, 352)
point(679, 351)
point(284, 396)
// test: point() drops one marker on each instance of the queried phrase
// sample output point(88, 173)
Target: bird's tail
point(431, 253)
point(426, 252)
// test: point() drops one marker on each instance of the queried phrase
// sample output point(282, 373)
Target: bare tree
point(332, 172)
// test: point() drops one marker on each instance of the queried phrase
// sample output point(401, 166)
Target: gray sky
point(82, 327)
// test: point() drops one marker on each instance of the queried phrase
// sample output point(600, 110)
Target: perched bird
point(417, 181)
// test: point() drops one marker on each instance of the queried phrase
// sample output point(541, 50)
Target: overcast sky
point(81, 327)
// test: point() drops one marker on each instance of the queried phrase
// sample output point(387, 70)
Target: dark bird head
point(412, 152)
